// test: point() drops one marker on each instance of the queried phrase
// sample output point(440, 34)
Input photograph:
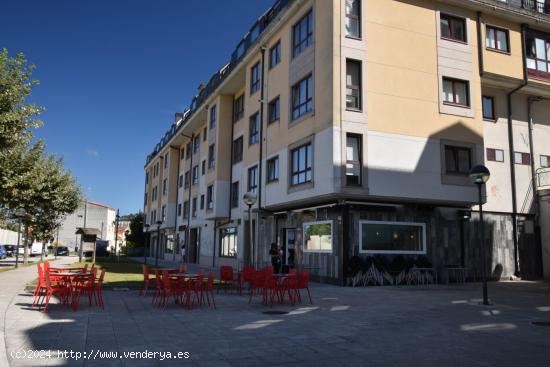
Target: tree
point(29, 178)
point(136, 237)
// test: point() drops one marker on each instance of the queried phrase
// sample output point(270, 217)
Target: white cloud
point(93, 152)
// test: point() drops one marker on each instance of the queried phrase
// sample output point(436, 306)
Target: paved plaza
point(374, 326)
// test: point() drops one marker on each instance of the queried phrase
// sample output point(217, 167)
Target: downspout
point(188, 231)
point(262, 105)
point(176, 234)
point(479, 46)
point(511, 148)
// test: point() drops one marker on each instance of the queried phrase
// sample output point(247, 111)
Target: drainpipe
point(188, 232)
point(479, 45)
point(176, 235)
point(511, 148)
point(231, 159)
point(536, 198)
point(262, 105)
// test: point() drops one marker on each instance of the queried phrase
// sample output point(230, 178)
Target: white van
point(35, 249)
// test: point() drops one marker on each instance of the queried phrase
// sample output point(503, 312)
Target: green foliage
point(29, 178)
point(136, 237)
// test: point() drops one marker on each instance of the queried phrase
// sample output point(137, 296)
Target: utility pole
point(85, 213)
point(116, 235)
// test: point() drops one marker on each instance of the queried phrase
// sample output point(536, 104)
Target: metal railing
point(543, 178)
point(536, 6)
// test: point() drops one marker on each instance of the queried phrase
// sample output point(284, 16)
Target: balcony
point(543, 179)
point(526, 7)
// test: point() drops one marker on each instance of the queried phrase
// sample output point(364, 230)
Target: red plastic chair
point(146, 280)
point(50, 290)
point(245, 276)
point(168, 290)
point(83, 285)
point(182, 269)
point(98, 290)
point(271, 288)
point(301, 282)
point(208, 289)
point(226, 278)
point(257, 284)
point(158, 287)
point(197, 289)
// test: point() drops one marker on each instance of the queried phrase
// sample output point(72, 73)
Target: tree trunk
point(26, 246)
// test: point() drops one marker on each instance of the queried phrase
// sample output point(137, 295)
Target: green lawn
point(124, 273)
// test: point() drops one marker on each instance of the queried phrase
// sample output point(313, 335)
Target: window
point(458, 160)
point(538, 54)
point(496, 39)
point(182, 153)
point(274, 110)
point(379, 237)
point(302, 34)
point(211, 156)
point(179, 210)
point(187, 179)
point(318, 236)
point(238, 108)
point(166, 161)
point(545, 161)
point(145, 200)
point(185, 209)
point(301, 165)
point(235, 194)
point(488, 108)
point(522, 158)
point(253, 179)
point(456, 92)
point(202, 201)
point(146, 177)
point(194, 207)
point(302, 97)
point(228, 242)
point(275, 55)
point(353, 84)
point(188, 150)
point(203, 167)
point(255, 78)
point(164, 186)
point(273, 169)
point(204, 134)
point(495, 155)
point(210, 197)
point(353, 18)
point(196, 174)
point(154, 194)
point(353, 159)
point(163, 212)
point(197, 144)
point(254, 129)
point(180, 181)
point(213, 117)
point(238, 150)
point(453, 28)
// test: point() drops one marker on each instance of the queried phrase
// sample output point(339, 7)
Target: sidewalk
point(12, 282)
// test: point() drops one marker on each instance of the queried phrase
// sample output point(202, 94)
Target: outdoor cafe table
point(66, 269)
point(69, 280)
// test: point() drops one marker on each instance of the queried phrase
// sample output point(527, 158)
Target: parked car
point(3, 253)
point(10, 250)
point(62, 251)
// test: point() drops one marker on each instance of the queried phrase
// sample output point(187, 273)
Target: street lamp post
point(117, 218)
point(479, 175)
point(146, 227)
point(159, 223)
point(249, 199)
point(19, 213)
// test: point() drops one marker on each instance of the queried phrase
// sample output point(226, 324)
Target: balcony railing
point(543, 178)
point(536, 6)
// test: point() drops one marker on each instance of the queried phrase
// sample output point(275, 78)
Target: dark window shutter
point(491, 154)
point(526, 158)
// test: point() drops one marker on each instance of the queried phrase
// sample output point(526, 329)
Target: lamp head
point(479, 174)
point(249, 198)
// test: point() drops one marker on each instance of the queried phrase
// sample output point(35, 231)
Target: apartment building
point(355, 124)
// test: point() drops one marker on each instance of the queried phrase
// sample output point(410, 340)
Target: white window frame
point(331, 236)
point(398, 252)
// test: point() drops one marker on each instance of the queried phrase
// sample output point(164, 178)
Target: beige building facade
point(355, 124)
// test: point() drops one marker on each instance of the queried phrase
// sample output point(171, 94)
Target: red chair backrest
point(303, 279)
point(226, 273)
point(201, 272)
point(145, 272)
point(40, 275)
point(248, 273)
point(210, 281)
point(269, 269)
point(158, 278)
point(183, 268)
point(101, 276)
point(46, 266)
point(85, 268)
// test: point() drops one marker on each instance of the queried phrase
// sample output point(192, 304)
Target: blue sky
point(113, 72)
